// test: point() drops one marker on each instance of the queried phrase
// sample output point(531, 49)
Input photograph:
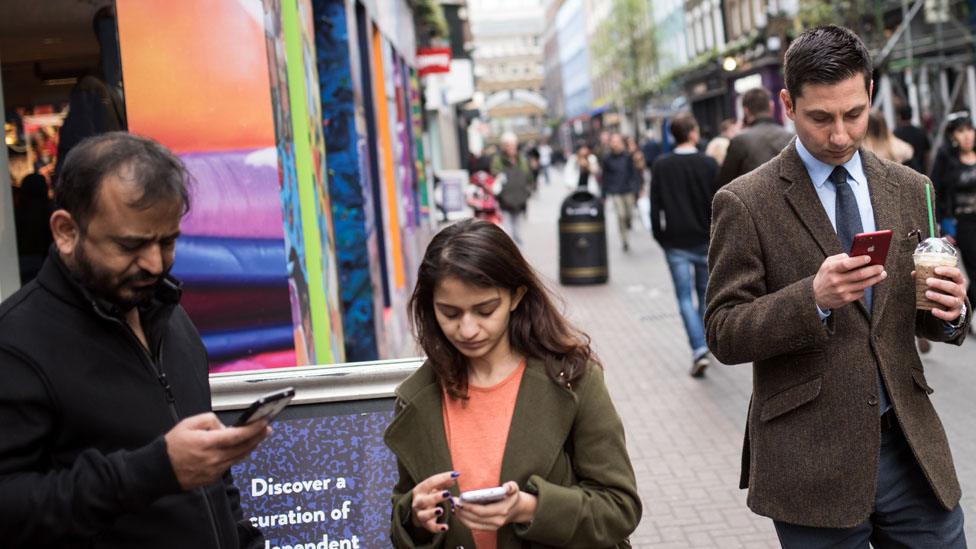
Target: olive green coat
point(566, 445)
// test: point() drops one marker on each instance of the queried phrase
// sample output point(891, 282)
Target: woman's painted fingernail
point(446, 494)
point(438, 511)
point(455, 474)
point(443, 528)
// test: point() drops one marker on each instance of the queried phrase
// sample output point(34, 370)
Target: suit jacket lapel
point(543, 418)
point(802, 197)
point(884, 202)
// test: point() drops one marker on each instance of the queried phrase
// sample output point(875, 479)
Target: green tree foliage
point(429, 18)
point(625, 45)
point(865, 17)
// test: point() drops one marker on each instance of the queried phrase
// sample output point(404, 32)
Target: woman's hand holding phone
point(427, 499)
point(516, 507)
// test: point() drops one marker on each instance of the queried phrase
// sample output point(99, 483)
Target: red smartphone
point(873, 244)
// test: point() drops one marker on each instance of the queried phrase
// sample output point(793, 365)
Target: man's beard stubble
point(100, 282)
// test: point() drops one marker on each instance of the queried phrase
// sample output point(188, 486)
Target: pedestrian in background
point(883, 143)
point(511, 395)
point(513, 178)
point(32, 214)
point(618, 184)
point(761, 139)
point(582, 170)
point(651, 148)
point(954, 176)
point(914, 136)
point(843, 446)
point(719, 145)
point(545, 159)
point(681, 214)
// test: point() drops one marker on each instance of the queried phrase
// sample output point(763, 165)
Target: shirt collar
point(819, 171)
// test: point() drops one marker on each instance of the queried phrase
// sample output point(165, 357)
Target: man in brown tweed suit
point(843, 446)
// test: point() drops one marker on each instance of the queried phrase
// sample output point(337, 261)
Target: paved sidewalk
point(684, 434)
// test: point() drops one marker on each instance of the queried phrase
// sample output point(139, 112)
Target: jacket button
point(873, 401)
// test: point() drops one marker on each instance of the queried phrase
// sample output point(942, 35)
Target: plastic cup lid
point(936, 245)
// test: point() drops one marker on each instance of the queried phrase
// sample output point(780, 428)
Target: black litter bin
point(582, 240)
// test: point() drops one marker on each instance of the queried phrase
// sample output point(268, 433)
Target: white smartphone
point(485, 495)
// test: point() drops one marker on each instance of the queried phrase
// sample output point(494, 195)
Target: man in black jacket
point(761, 140)
point(682, 187)
point(108, 439)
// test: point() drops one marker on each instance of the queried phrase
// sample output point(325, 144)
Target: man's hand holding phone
point(201, 448)
point(842, 279)
point(515, 506)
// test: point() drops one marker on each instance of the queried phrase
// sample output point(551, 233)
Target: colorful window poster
point(395, 322)
point(349, 186)
point(214, 98)
point(420, 162)
point(292, 65)
point(205, 96)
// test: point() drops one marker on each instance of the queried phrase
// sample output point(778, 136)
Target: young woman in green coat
point(512, 396)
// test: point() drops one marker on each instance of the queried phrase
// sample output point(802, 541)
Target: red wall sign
point(433, 60)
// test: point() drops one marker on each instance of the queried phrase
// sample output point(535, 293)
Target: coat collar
point(58, 279)
point(541, 422)
point(802, 197)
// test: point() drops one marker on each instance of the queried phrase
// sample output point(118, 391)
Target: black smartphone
point(266, 407)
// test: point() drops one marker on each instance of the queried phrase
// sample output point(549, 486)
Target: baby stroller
point(481, 197)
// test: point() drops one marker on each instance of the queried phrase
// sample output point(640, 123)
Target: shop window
point(62, 82)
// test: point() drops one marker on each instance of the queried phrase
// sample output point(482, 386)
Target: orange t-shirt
point(477, 431)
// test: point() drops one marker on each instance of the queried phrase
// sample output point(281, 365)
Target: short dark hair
point(955, 121)
point(682, 125)
point(756, 101)
point(159, 174)
point(825, 55)
point(905, 112)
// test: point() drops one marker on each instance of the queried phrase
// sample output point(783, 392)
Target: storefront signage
point(323, 479)
point(433, 60)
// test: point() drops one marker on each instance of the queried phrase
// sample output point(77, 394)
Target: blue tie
point(848, 218)
point(847, 214)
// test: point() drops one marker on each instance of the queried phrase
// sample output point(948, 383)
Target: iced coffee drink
point(930, 254)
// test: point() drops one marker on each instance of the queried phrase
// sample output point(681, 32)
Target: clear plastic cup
point(931, 253)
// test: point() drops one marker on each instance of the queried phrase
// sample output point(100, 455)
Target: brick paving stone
point(684, 434)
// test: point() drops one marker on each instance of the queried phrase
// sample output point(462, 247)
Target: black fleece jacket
point(83, 411)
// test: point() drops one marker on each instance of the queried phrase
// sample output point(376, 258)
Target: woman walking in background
point(512, 396)
point(883, 143)
point(954, 177)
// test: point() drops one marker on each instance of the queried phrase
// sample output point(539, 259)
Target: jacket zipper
point(156, 369)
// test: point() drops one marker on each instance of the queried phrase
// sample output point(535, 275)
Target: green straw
point(928, 205)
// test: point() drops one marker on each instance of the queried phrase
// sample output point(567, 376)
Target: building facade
point(508, 48)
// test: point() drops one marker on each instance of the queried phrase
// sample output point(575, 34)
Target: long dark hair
point(479, 253)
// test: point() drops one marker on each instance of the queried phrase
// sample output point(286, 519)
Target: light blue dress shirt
point(820, 173)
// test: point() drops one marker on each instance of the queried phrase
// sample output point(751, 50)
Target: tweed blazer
point(812, 440)
point(566, 445)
